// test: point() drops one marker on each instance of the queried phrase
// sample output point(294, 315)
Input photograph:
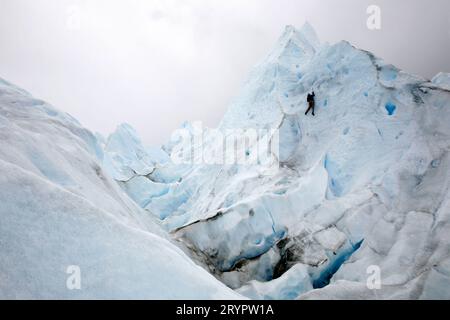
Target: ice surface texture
point(60, 208)
point(365, 182)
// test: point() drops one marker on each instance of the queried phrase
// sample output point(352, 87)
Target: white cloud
point(156, 63)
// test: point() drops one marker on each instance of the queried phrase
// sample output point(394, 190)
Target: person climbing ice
point(311, 103)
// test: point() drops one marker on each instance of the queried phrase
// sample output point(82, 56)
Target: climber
point(311, 103)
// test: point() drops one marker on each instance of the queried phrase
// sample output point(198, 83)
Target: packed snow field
point(364, 184)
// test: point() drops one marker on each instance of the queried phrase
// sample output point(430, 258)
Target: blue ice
point(390, 108)
point(324, 277)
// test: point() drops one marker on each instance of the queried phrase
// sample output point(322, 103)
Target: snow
point(60, 209)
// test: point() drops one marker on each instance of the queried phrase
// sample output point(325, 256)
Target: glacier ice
point(442, 80)
point(60, 208)
point(363, 183)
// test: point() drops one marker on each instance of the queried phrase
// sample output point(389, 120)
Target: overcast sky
point(154, 64)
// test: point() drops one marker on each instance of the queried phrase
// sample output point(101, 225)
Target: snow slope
point(364, 183)
point(60, 208)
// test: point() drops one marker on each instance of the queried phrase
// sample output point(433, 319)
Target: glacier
point(60, 208)
point(363, 184)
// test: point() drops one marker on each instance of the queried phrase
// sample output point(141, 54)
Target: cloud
point(157, 63)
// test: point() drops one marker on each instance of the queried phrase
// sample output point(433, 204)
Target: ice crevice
point(323, 277)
